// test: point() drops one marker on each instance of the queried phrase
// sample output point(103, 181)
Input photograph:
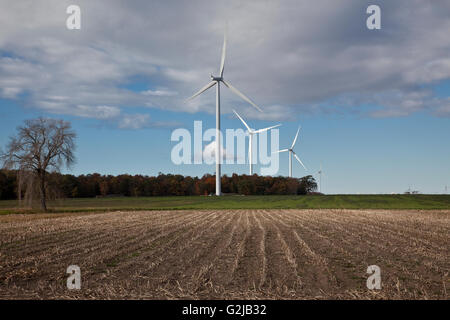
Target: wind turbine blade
point(209, 85)
point(295, 139)
point(279, 151)
point(245, 124)
point(224, 51)
point(296, 157)
point(266, 129)
point(240, 94)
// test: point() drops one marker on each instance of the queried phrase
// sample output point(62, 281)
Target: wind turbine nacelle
point(216, 78)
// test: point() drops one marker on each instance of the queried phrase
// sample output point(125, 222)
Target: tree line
point(96, 185)
point(41, 147)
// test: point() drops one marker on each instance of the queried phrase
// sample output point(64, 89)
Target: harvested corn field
point(228, 254)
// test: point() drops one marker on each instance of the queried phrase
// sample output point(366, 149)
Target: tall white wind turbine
point(291, 152)
point(252, 132)
point(216, 80)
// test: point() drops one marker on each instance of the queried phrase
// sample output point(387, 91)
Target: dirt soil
point(229, 254)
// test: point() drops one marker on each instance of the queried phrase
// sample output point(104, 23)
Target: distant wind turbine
point(252, 132)
point(320, 172)
point(320, 176)
point(291, 152)
point(217, 81)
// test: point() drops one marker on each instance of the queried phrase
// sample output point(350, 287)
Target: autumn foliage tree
point(96, 185)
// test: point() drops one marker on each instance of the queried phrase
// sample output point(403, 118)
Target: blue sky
point(359, 155)
point(374, 106)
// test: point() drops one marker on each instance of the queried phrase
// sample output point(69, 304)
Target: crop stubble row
point(292, 254)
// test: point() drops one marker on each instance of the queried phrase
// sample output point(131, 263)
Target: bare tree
point(41, 145)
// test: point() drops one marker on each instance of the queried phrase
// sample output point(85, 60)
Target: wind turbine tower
point(251, 133)
point(216, 80)
point(320, 178)
point(291, 152)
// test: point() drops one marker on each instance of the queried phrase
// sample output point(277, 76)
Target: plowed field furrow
point(253, 258)
point(83, 245)
point(405, 259)
point(63, 254)
point(49, 225)
point(96, 270)
point(144, 256)
point(405, 244)
point(429, 239)
point(310, 266)
point(42, 242)
point(424, 222)
point(223, 272)
point(245, 261)
point(381, 241)
point(227, 254)
point(282, 267)
point(372, 252)
point(153, 256)
point(200, 247)
point(262, 248)
point(346, 265)
point(205, 260)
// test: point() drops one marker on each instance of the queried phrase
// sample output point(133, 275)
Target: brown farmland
point(254, 254)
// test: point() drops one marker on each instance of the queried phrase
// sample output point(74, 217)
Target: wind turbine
point(320, 176)
point(291, 152)
point(216, 80)
point(252, 132)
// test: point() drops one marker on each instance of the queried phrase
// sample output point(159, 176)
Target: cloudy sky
point(374, 105)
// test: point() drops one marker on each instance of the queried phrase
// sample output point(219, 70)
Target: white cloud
point(142, 121)
point(134, 121)
point(187, 76)
point(209, 153)
point(98, 112)
point(9, 92)
point(290, 57)
point(160, 93)
point(443, 108)
point(272, 113)
point(95, 112)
